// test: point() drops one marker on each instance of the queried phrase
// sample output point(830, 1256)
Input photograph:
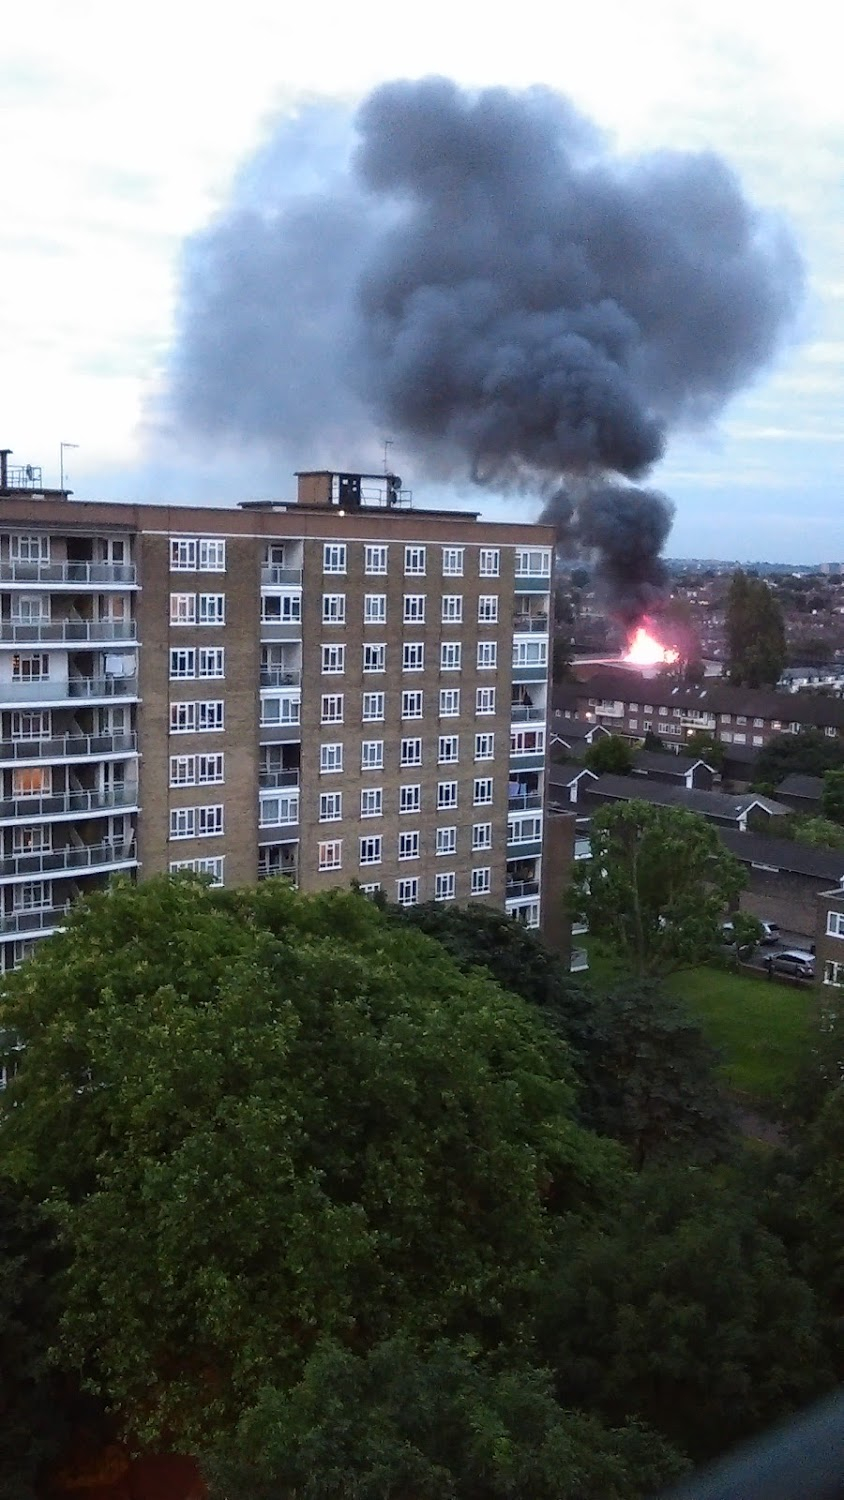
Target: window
point(481, 882)
point(200, 716)
point(446, 795)
point(32, 838)
point(183, 609)
point(758, 723)
point(375, 658)
point(835, 924)
point(196, 822)
point(446, 840)
point(527, 741)
point(725, 718)
point(283, 807)
point(197, 770)
point(663, 712)
point(30, 549)
point(533, 562)
point(489, 562)
point(371, 889)
point(372, 802)
point(35, 724)
point(372, 708)
point(334, 557)
point(487, 655)
point(209, 714)
point(488, 609)
point(281, 609)
point(182, 555)
point(374, 609)
point(413, 656)
point(330, 807)
point(411, 753)
point(281, 710)
point(484, 747)
point(524, 828)
point(833, 973)
point(212, 555)
point(331, 708)
point(375, 560)
point(407, 891)
point(370, 850)
point(485, 700)
point(482, 791)
point(452, 562)
point(530, 653)
point(209, 821)
point(481, 836)
point(449, 703)
point(450, 656)
point(414, 562)
point(212, 609)
point(331, 757)
point(372, 755)
point(213, 867)
point(410, 799)
point(333, 660)
point(741, 718)
point(334, 609)
point(445, 886)
point(411, 704)
point(33, 781)
point(211, 661)
point(409, 845)
point(330, 854)
point(414, 609)
point(33, 895)
point(448, 748)
point(452, 611)
point(182, 663)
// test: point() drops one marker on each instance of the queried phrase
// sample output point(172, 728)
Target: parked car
point(769, 936)
point(796, 961)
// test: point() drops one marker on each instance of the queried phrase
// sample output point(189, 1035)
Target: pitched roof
point(785, 854)
point(670, 765)
point(575, 730)
point(795, 785)
point(712, 694)
point(565, 772)
point(711, 804)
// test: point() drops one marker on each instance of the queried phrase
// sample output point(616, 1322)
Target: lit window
point(414, 562)
point(32, 781)
point(413, 656)
point(370, 850)
point(452, 609)
point(411, 704)
point(374, 609)
point(331, 757)
point(489, 562)
point(372, 707)
point(330, 854)
point(410, 799)
point(445, 886)
point(450, 656)
point(372, 802)
point(481, 881)
point(452, 562)
point(333, 660)
point(446, 840)
point(375, 559)
point(331, 708)
point(409, 845)
point(334, 557)
point(446, 794)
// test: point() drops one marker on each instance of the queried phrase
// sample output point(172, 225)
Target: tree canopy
point(809, 753)
point(756, 647)
point(832, 797)
point(609, 753)
point(257, 1118)
point(656, 886)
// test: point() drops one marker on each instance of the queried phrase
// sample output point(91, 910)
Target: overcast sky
point(122, 129)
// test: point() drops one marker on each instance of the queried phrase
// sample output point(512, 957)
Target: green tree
point(832, 797)
point(819, 833)
point(609, 753)
point(656, 886)
point(701, 744)
point(561, 660)
point(809, 753)
point(437, 1425)
point(756, 646)
point(652, 742)
point(256, 1119)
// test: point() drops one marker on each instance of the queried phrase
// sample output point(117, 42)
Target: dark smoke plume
point(481, 278)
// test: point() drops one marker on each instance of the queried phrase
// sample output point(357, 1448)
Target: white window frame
point(372, 755)
point(212, 555)
point(407, 891)
point(449, 703)
point(445, 885)
point(484, 700)
point(334, 609)
point(489, 562)
point(331, 758)
point(412, 703)
point(375, 560)
point(453, 562)
point(451, 656)
point(835, 924)
point(334, 557)
point(375, 657)
point(330, 807)
point(485, 746)
point(483, 791)
point(182, 554)
point(448, 749)
point(375, 609)
point(410, 751)
point(372, 802)
point(481, 880)
point(410, 798)
point(182, 656)
point(481, 837)
point(488, 609)
point(211, 662)
point(330, 854)
point(331, 708)
point(409, 844)
point(446, 840)
point(212, 610)
point(373, 707)
point(446, 795)
point(413, 609)
point(333, 659)
point(415, 562)
point(370, 849)
point(487, 656)
point(413, 656)
point(182, 609)
point(452, 609)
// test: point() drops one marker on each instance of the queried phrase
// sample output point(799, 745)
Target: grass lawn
point(760, 1028)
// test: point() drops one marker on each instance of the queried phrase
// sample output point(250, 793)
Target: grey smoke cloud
point(481, 277)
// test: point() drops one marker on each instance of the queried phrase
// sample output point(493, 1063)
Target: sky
point(122, 130)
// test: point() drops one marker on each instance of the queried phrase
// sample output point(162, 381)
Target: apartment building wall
point(829, 937)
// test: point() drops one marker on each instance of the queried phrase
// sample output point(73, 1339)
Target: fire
point(644, 650)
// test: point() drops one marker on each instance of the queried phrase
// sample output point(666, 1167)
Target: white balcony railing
point(72, 857)
point(68, 746)
point(274, 677)
point(61, 803)
point(58, 689)
point(90, 573)
point(273, 575)
point(66, 632)
point(43, 919)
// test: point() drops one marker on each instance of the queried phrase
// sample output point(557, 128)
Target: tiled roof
point(711, 804)
point(795, 785)
point(712, 695)
point(785, 854)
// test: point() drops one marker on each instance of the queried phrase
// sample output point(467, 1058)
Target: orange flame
point(644, 650)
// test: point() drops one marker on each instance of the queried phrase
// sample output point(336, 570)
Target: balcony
point(532, 583)
point(70, 574)
point(273, 575)
point(519, 890)
point(530, 624)
point(48, 690)
point(66, 632)
point(281, 630)
point(521, 801)
point(276, 677)
point(67, 804)
point(530, 671)
point(521, 714)
point(272, 780)
point(278, 811)
point(45, 919)
point(68, 747)
point(73, 857)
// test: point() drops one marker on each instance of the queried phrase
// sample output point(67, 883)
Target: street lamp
point(62, 447)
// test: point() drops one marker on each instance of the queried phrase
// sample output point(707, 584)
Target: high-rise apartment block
point(336, 688)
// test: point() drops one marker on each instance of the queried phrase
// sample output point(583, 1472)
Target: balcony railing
point(273, 575)
point(44, 919)
point(520, 714)
point(50, 632)
point(274, 677)
point(68, 572)
point(67, 746)
point(271, 780)
point(521, 801)
point(530, 623)
point(57, 689)
point(67, 802)
point(514, 890)
point(268, 871)
point(72, 857)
